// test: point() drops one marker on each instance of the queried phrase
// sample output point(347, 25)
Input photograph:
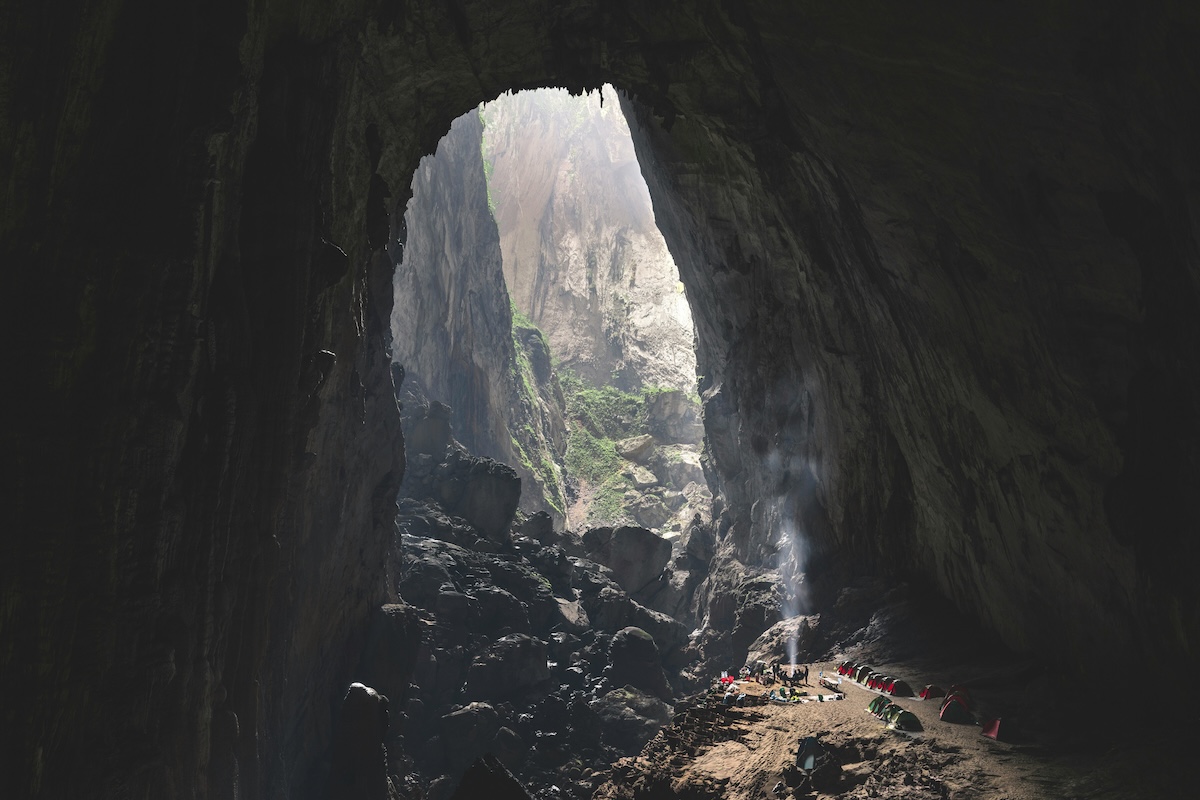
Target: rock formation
point(582, 256)
point(941, 262)
point(453, 332)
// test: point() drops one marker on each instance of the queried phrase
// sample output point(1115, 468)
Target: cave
point(942, 264)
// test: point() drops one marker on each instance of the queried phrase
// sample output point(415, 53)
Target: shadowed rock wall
point(452, 327)
point(942, 264)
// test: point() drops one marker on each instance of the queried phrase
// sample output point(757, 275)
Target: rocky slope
point(537, 645)
point(941, 262)
point(453, 333)
point(582, 256)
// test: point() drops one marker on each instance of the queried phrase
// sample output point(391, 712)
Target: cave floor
point(1043, 760)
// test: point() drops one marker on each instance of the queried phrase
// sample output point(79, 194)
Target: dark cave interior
point(942, 263)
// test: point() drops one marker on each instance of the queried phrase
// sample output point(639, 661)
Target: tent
point(806, 756)
point(861, 673)
point(991, 728)
point(899, 688)
point(878, 704)
point(907, 721)
point(931, 692)
point(955, 709)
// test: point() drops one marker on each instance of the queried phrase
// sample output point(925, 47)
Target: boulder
point(390, 654)
point(508, 667)
point(467, 734)
point(490, 494)
point(574, 618)
point(649, 511)
point(509, 747)
point(429, 434)
point(629, 718)
point(635, 662)
point(540, 527)
point(608, 609)
point(642, 478)
point(636, 556)
point(358, 765)
point(678, 465)
point(500, 613)
point(487, 777)
point(636, 448)
point(668, 633)
point(455, 609)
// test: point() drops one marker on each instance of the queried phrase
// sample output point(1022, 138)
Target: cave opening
point(941, 266)
point(542, 310)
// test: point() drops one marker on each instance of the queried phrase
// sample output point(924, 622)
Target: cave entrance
point(536, 298)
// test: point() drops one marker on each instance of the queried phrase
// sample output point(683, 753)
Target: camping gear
point(907, 721)
point(806, 756)
point(991, 729)
point(955, 709)
point(931, 692)
point(899, 688)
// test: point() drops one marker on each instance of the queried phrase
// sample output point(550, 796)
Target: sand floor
point(945, 760)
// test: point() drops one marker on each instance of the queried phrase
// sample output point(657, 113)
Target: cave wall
point(452, 327)
point(936, 331)
point(942, 264)
point(582, 255)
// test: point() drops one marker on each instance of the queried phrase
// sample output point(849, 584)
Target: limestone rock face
point(452, 329)
point(941, 262)
point(582, 256)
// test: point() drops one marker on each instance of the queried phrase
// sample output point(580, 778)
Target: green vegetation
point(487, 164)
point(529, 445)
point(600, 418)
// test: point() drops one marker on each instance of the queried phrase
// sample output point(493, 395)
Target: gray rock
point(636, 556)
point(499, 612)
point(390, 654)
point(467, 734)
point(508, 667)
point(629, 717)
point(358, 765)
point(636, 448)
point(636, 662)
point(510, 748)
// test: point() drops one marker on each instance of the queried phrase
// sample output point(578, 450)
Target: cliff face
point(582, 256)
point(942, 265)
point(452, 329)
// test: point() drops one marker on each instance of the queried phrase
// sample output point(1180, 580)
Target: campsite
point(751, 750)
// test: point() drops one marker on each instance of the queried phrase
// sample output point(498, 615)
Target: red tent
point(955, 709)
point(930, 692)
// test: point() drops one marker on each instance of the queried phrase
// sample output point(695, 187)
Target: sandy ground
point(945, 760)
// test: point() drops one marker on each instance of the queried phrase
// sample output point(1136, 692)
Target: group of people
point(769, 674)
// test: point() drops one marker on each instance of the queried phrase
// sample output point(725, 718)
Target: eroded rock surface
point(940, 260)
